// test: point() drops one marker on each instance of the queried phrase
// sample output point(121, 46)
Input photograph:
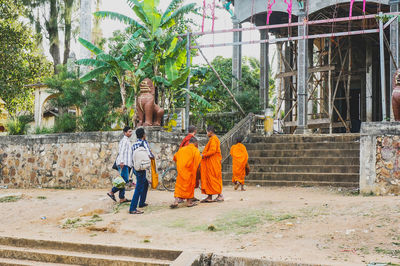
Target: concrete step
point(329, 153)
point(310, 177)
point(72, 257)
point(304, 145)
point(283, 183)
point(299, 168)
point(161, 254)
point(14, 262)
point(304, 138)
point(354, 161)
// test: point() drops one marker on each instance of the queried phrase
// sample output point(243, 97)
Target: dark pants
point(125, 175)
point(142, 185)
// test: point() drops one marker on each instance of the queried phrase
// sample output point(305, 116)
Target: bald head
point(194, 141)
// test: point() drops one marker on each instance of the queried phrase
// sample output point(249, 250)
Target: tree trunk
point(123, 92)
point(52, 28)
point(67, 20)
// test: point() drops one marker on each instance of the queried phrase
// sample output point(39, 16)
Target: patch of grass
point(179, 223)
point(10, 199)
point(364, 250)
point(92, 235)
point(370, 194)
point(78, 222)
point(146, 241)
point(391, 253)
point(117, 208)
point(242, 222)
point(41, 197)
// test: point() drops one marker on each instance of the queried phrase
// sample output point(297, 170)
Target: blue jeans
point(140, 194)
point(125, 175)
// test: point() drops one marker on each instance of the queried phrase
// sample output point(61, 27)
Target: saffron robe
point(187, 161)
point(240, 158)
point(211, 170)
point(185, 141)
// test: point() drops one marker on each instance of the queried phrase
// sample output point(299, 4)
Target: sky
point(223, 21)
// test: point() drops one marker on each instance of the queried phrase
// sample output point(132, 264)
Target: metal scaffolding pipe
point(382, 64)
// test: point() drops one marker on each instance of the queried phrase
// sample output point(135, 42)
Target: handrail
point(242, 128)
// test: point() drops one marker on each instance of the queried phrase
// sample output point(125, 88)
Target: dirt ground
point(315, 225)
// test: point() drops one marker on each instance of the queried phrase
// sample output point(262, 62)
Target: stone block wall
point(380, 158)
point(76, 160)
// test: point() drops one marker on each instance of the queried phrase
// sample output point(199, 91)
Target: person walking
point(142, 185)
point(124, 164)
point(192, 132)
point(187, 161)
point(240, 166)
point(211, 169)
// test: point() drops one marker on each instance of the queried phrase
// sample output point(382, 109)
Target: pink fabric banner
point(269, 9)
point(351, 8)
point(364, 3)
point(289, 9)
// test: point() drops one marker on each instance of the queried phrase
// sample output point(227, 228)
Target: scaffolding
point(329, 65)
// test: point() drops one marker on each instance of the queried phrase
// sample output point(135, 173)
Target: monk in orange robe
point(187, 161)
point(191, 134)
point(211, 170)
point(240, 159)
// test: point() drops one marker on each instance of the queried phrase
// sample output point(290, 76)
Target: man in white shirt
point(124, 164)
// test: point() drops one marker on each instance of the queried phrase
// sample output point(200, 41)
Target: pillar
point(237, 56)
point(302, 77)
point(394, 46)
point(286, 84)
point(368, 82)
point(310, 85)
point(264, 70)
point(85, 29)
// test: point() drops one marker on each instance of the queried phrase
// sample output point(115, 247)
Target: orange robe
point(239, 161)
point(185, 141)
point(187, 161)
point(211, 172)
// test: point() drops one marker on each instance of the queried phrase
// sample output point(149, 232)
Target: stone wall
point(380, 158)
point(77, 160)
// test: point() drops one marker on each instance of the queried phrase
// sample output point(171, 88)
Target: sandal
point(173, 206)
point(236, 185)
point(126, 200)
point(136, 212)
point(191, 205)
point(112, 197)
point(206, 200)
point(219, 199)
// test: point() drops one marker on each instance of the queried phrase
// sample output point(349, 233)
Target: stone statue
point(396, 95)
point(147, 112)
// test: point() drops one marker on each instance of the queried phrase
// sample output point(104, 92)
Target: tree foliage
point(20, 62)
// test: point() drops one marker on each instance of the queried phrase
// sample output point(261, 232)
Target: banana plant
point(164, 58)
point(111, 66)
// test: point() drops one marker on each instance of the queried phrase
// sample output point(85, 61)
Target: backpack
point(141, 160)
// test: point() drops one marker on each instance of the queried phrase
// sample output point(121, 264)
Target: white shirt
point(125, 152)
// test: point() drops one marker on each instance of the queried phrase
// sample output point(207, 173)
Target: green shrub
point(65, 123)
point(18, 125)
point(43, 130)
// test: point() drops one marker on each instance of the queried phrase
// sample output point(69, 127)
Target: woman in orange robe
point(187, 161)
point(211, 170)
point(240, 158)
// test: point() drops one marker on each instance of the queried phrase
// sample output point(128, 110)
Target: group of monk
point(193, 166)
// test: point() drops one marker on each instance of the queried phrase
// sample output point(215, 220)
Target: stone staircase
point(298, 160)
point(20, 251)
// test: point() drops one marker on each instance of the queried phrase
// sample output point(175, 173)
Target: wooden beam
point(310, 70)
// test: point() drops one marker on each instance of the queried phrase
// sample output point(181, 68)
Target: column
point(85, 30)
point(368, 82)
point(264, 70)
point(302, 76)
point(237, 56)
point(310, 84)
point(394, 47)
